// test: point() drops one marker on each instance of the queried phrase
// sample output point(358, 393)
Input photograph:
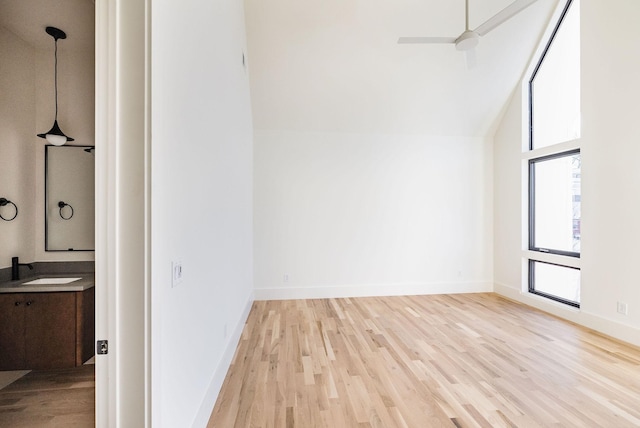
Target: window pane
point(556, 201)
point(555, 86)
point(558, 281)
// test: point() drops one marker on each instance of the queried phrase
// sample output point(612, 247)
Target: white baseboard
point(613, 328)
point(368, 290)
point(209, 401)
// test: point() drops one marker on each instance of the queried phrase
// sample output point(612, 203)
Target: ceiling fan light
point(467, 40)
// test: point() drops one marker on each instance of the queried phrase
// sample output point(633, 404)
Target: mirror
point(69, 198)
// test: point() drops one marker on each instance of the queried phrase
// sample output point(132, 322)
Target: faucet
point(15, 268)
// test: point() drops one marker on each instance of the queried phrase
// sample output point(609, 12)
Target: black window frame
point(555, 257)
point(532, 283)
point(539, 64)
point(532, 203)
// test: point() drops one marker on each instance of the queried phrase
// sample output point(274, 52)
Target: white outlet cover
point(622, 308)
point(177, 273)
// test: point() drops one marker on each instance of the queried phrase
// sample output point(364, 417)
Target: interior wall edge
point(371, 290)
point(609, 327)
point(209, 400)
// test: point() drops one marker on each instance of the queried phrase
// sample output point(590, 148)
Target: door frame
point(123, 285)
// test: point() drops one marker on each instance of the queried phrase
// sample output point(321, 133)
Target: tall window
point(554, 87)
point(555, 165)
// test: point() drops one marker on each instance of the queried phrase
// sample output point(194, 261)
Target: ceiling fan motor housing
point(467, 40)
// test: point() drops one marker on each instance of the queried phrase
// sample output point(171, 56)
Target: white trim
point(147, 218)
point(122, 215)
point(209, 400)
point(609, 327)
point(554, 149)
point(367, 290)
point(105, 365)
point(131, 229)
point(557, 259)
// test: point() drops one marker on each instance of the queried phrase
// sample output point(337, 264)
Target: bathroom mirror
point(69, 198)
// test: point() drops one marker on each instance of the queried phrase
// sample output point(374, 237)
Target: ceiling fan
point(469, 38)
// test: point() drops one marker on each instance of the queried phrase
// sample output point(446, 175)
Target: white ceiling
point(29, 18)
point(335, 66)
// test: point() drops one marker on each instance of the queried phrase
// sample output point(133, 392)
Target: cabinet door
point(50, 320)
point(85, 325)
point(12, 331)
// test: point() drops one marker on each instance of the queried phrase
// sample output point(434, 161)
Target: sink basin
point(43, 281)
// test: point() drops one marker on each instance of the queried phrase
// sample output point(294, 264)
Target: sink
point(43, 281)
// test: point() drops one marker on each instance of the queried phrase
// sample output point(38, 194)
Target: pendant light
point(55, 135)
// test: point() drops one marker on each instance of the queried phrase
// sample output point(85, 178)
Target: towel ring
point(61, 205)
point(4, 202)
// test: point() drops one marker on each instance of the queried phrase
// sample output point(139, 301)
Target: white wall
point(507, 196)
point(17, 163)
point(610, 178)
point(353, 215)
point(201, 165)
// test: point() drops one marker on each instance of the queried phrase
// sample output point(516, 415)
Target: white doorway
point(122, 214)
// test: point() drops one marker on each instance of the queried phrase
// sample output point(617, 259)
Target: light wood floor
point(50, 398)
point(473, 360)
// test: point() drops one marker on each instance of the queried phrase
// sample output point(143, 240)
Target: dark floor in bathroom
point(50, 398)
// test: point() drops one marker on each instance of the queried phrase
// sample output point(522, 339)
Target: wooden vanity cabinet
point(46, 330)
point(12, 345)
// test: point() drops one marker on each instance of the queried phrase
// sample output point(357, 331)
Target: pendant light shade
point(55, 135)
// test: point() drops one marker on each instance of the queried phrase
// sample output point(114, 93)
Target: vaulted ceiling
point(335, 65)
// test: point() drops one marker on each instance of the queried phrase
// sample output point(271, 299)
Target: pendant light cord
point(55, 135)
point(55, 74)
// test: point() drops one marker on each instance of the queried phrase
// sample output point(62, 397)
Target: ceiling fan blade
point(502, 16)
point(418, 40)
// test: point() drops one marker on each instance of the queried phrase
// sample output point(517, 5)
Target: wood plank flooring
point(473, 360)
point(50, 398)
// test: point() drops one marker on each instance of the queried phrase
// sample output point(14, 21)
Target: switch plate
point(176, 274)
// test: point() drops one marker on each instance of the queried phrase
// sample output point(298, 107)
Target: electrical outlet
point(285, 277)
point(622, 308)
point(176, 274)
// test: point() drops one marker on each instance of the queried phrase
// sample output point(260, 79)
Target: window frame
point(532, 206)
point(539, 64)
point(533, 290)
point(532, 155)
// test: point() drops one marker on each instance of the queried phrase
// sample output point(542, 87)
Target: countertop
point(86, 281)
